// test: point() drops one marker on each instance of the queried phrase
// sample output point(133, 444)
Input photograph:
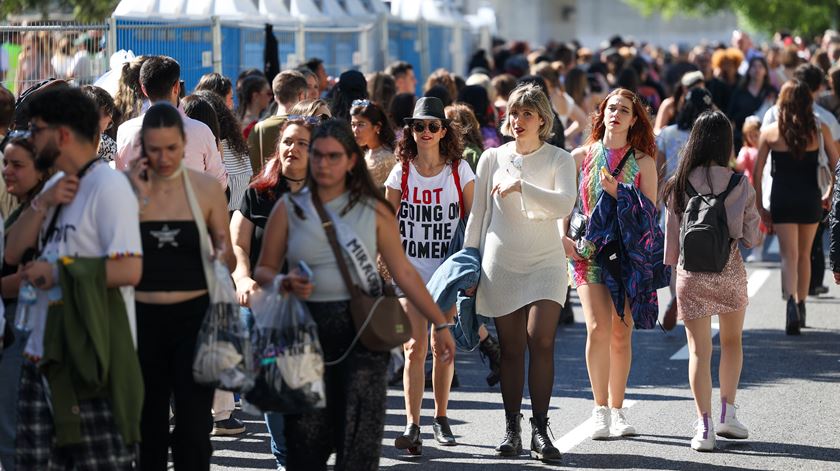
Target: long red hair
point(640, 135)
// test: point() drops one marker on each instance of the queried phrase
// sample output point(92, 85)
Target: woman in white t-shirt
point(432, 189)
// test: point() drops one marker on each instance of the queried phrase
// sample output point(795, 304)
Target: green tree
point(84, 10)
point(805, 17)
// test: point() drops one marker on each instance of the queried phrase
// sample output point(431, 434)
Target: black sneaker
point(227, 427)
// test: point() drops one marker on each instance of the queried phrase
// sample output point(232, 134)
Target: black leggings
point(353, 422)
point(532, 326)
point(166, 338)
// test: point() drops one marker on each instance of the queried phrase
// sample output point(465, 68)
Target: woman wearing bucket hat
point(523, 189)
point(432, 188)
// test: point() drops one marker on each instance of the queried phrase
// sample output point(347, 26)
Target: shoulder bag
point(381, 324)
point(579, 221)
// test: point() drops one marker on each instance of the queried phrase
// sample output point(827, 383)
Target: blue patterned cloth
point(631, 220)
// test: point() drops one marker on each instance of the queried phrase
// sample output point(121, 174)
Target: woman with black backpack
point(706, 289)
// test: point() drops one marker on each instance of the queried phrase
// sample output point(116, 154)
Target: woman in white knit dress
point(522, 191)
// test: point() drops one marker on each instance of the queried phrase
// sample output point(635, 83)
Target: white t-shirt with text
point(428, 214)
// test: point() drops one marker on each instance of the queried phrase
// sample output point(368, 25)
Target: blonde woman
point(523, 188)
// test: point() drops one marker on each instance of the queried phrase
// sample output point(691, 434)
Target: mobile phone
point(304, 268)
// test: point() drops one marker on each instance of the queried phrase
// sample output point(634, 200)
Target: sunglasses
point(23, 134)
point(420, 127)
point(310, 120)
point(360, 103)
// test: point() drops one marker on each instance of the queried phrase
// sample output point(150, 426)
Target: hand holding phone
point(305, 270)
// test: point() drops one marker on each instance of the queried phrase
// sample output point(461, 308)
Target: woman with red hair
point(618, 150)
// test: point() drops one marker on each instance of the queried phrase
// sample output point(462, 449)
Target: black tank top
point(171, 257)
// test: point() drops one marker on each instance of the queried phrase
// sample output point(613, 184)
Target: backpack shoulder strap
point(457, 178)
point(690, 189)
point(733, 182)
point(404, 182)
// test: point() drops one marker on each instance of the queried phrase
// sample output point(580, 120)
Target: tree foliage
point(805, 17)
point(83, 10)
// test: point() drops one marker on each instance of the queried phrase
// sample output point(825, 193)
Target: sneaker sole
point(732, 435)
point(704, 450)
point(626, 433)
point(224, 432)
point(600, 435)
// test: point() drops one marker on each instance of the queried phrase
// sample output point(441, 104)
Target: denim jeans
point(274, 422)
point(10, 365)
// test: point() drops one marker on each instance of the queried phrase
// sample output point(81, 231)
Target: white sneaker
point(730, 426)
point(600, 423)
point(704, 434)
point(619, 425)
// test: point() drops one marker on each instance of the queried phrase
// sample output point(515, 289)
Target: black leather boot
point(792, 313)
point(512, 444)
point(542, 448)
point(490, 349)
point(410, 440)
point(443, 433)
point(801, 306)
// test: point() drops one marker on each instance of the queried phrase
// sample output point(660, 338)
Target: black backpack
point(704, 231)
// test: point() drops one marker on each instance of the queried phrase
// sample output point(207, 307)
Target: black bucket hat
point(428, 108)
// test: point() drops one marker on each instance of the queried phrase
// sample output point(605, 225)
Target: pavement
point(789, 397)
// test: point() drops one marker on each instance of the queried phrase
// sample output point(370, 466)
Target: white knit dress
point(522, 255)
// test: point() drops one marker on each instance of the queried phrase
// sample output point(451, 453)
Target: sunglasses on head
point(360, 103)
point(310, 120)
point(23, 134)
point(420, 127)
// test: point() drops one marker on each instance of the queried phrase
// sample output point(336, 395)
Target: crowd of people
point(540, 171)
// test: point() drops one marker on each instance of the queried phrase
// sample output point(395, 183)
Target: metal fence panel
point(369, 47)
point(68, 50)
point(191, 44)
point(440, 42)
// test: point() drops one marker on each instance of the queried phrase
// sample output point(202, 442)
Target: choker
point(177, 173)
point(294, 180)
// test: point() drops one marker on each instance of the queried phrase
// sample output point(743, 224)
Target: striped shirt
point(239, 174)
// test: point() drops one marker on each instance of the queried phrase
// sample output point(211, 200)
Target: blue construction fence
point(341, 48)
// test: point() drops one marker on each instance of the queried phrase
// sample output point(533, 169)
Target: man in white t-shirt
point(85, 210)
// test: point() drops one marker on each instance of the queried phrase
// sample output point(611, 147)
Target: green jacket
point(89, 352)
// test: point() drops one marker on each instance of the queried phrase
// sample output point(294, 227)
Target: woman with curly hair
point(462, 115)
point(622, 144)
point(375, 136)
point(432, 189)
point(796, 205)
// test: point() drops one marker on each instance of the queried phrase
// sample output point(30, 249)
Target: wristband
point(35, 204)
point(439, 327)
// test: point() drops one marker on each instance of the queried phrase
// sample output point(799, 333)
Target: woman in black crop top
point(172, 295)
point(796, 205)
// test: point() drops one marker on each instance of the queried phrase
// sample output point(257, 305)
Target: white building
point(593, 21)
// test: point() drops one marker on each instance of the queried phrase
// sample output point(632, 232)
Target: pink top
point(746, 160)
point(200, 154)
point(741, 213)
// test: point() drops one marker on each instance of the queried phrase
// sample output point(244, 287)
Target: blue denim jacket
point(456, 274)
point(632, 221)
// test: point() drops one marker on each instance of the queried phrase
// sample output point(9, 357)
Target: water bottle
point(27, 297)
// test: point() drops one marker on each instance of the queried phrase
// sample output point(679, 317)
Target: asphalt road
point(789, 398)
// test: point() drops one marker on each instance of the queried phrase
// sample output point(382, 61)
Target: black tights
point(532, 326)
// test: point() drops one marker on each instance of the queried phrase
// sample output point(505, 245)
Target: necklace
point(294, 180)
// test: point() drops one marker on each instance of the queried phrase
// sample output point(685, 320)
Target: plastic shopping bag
point(223, 350)
point(289, 362)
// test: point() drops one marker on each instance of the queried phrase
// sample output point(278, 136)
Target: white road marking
point(754, 284)
point(756, 281)
point(581, 432)
point(682, 354)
